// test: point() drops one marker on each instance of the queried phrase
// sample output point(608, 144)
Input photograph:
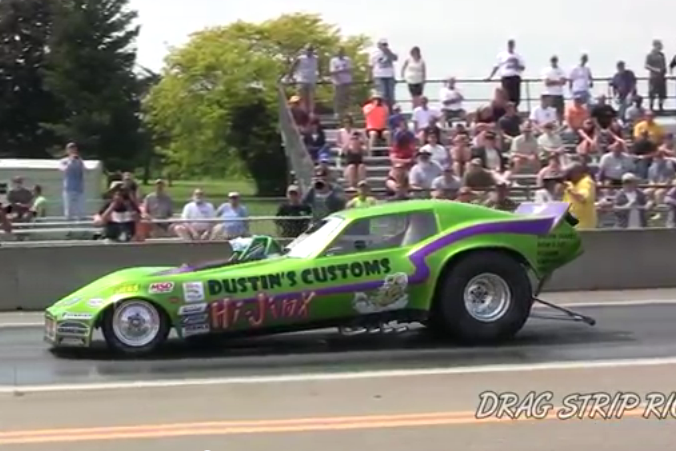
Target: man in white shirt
point(340, 69)
point(543, 114)
point(581, 81)
point(511, 66)
point(451, 102)
point(554, 79)
point(196, 210)
point(423, 115)
point(382, 70)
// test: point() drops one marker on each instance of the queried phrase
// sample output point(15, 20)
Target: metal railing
point(478, 92)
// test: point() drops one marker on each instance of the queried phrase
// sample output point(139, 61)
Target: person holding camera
point(323, 199)
point(119, 215)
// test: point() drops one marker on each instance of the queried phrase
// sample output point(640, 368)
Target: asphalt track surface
point(429, 405)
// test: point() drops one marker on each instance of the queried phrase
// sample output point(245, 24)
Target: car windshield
point(316, 238)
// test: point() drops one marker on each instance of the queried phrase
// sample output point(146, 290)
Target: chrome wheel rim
point(136, 323)
point(487, 297)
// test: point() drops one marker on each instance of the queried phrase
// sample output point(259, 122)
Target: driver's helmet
point(240, 244)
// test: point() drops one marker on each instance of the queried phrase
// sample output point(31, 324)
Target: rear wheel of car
point(135, 327)
point(486, 297)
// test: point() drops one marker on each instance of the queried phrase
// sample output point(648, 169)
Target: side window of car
point(384, 232)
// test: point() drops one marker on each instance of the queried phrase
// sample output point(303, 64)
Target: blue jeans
point(385, 87)
point(73, 205)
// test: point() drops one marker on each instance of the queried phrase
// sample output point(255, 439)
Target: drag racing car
point(464, 271)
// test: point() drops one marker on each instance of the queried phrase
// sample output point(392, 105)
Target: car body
point(435, 262)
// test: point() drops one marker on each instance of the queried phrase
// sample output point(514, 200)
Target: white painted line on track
point(21, 325)
point(290, 378)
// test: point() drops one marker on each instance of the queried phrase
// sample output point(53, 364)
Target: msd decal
point(161, 287)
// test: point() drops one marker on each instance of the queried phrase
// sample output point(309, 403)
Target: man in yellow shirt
point(580, 193)
point(648, 125)
point(362, 199)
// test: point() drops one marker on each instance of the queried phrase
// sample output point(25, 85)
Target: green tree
point(202, 103)
point(91, 71)
point(25, 103)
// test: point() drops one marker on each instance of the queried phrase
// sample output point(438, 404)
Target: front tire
point(135, 327)
point(486, 297)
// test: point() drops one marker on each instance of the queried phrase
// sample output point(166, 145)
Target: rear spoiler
point(556, 210)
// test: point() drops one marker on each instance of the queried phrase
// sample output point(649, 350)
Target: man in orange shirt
point(576, 114)
point(376, 114)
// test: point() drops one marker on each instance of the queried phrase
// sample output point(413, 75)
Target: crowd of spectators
point(594, 151)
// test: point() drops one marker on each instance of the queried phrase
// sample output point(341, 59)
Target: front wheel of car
point(485, 297)
point(135, 327)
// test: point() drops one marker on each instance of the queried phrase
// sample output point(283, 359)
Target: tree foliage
point(67, 73)
point(207, 86)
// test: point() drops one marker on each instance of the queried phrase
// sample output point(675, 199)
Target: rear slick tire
point(135, 327)
point(485, 298)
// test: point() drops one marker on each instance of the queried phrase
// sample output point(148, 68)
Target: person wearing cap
point(362, 199)
point(305, 72)
point(293, 216)
point(446, 185)
point(73, 170)
point(20, 200)
point(440, 154)
point(632, 205)
point(524, 151)
point(314, 139)
point(580, 193)
point(551, 188)
point(623, 85)
point(424, 172)
point(576, 113)
point(119, 216)
point(383, 73)
point(198, 210)
point(323, 198)
point(396, 117)
point(235, 218)
point(656, 65)
point(376, 113)
point(158, 205)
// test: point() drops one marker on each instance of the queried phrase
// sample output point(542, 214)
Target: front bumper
point(67, 333)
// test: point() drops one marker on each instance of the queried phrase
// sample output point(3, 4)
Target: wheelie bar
point(570, 314)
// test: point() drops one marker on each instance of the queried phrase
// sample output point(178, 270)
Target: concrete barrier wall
point(32, 278)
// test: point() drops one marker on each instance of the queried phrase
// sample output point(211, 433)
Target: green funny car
point(463, 271)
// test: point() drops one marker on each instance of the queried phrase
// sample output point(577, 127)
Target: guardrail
point(478, 91)
point(34, 277)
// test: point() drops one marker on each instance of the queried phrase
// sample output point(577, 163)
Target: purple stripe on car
point(538, 226)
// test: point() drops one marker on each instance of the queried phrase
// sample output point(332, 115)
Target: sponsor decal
point(127, 289)
point(68, 302)
point(198, 329)
point(193, 292)
point(72, 328)
point(308, 277)
point(194, 319)
point(227, 313)
point(392, 295)
point(83, 316)
point(96, 302)
point(192, 309)
point(161, 287)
